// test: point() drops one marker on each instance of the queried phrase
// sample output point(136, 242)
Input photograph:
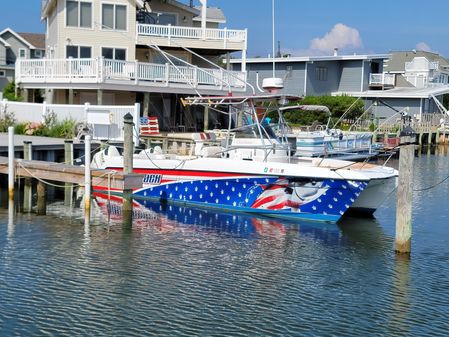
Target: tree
point(9, 92)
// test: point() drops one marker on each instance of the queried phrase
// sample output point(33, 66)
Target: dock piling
point(128, 149)
point(87, 175)
point(11, 170)
point(41, 200)
point(68, 159)
point(27, 188)
point(405, 191)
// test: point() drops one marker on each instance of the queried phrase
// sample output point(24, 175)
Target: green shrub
point(336, 104)
point(9, 92)
point(6, 121)
point(19, 129)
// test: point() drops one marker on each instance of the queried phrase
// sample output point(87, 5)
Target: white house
point(115, 52)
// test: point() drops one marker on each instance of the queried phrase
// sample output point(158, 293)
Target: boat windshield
point(251, 130)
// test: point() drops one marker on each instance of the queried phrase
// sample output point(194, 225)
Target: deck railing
point(225, 35)
point(104, 70)
point(382, 79)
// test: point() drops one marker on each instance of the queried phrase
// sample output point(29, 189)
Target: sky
point(308, 27)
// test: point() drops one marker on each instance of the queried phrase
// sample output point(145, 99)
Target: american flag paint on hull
point(275, 196)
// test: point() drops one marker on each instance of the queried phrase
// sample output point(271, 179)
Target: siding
point(317, 87)
point(95, 37)
point(2, 54)
point(13, 51)
point(383, 111)
point(351, 76)
point(292, 73)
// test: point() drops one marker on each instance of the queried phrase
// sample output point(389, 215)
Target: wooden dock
point(71, 174)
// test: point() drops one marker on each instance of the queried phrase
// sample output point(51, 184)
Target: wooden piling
point(41, 199)
point(68, 159)
point(27, 188)
point(87, 176)
point(405, 192)
point(11, 171)
point(127, 210)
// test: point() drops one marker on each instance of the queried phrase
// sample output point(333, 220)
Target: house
point(418, 69)
point(121, 52)
point(388, 83)
point(316, 75)
point(15, 46)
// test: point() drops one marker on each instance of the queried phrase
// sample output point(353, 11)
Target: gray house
point(316, 75)
point(15, 46)
point(401, 81)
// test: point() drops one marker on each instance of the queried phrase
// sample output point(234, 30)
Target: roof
point(6, 44)
point(37, 40)
point(397, 61)
point(213, 14)
point(18, 37)
point(404, 92)
point(313, 58)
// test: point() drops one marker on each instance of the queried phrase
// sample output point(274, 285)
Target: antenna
point(273, 84)
point(273, 37)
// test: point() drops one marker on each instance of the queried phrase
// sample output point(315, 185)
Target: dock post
point(68, 159)
point(11, 170)
point(27, 188)
point(41, 202)
point(87, 176)
point(405, 190)
point(127, 210)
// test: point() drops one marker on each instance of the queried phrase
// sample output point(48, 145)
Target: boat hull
point(271, 195)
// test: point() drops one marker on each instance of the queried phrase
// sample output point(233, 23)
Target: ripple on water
point(230, 276)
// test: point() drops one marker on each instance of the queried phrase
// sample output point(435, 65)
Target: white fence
point(105, 121)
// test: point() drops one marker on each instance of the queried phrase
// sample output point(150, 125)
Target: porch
point(127, 74)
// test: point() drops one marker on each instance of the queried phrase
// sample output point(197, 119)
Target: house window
point(78, 14)
point(38, 53)
point(22, 53)
point(78, 52)
point(2, 73)
point(161, 19)
point(321, 73)
point(114, 53)
point(113, 17)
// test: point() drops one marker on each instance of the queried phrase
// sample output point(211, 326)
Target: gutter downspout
point(363, 76)
point(203, 18)
point(305, 78)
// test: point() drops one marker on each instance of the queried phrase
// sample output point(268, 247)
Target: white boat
point(326, 142)
point(253, 172)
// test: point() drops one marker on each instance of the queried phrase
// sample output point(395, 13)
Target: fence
point(105, 121)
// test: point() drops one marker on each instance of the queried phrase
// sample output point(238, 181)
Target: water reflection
point(171, 218)
point(400, 297)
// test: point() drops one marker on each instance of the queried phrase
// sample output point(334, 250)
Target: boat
point(254, 172)
point(323, 141)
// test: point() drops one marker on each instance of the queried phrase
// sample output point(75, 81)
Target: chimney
point(335, 51)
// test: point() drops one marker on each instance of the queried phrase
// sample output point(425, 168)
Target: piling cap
point(407, 132)
point(128, 117)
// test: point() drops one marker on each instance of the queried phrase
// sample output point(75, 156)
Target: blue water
point(187, 272)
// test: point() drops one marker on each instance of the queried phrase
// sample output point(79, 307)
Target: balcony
point(382, 80)
point(191, 37)
point(138, 75)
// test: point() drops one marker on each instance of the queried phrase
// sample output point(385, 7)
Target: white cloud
point(340, 36)
point(423, 46)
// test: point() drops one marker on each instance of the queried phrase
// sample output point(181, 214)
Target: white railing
point(105, 121)
point(417, 80)
point(382, 79)
point(104, 70)
point(230, 35)
point(421, 64)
